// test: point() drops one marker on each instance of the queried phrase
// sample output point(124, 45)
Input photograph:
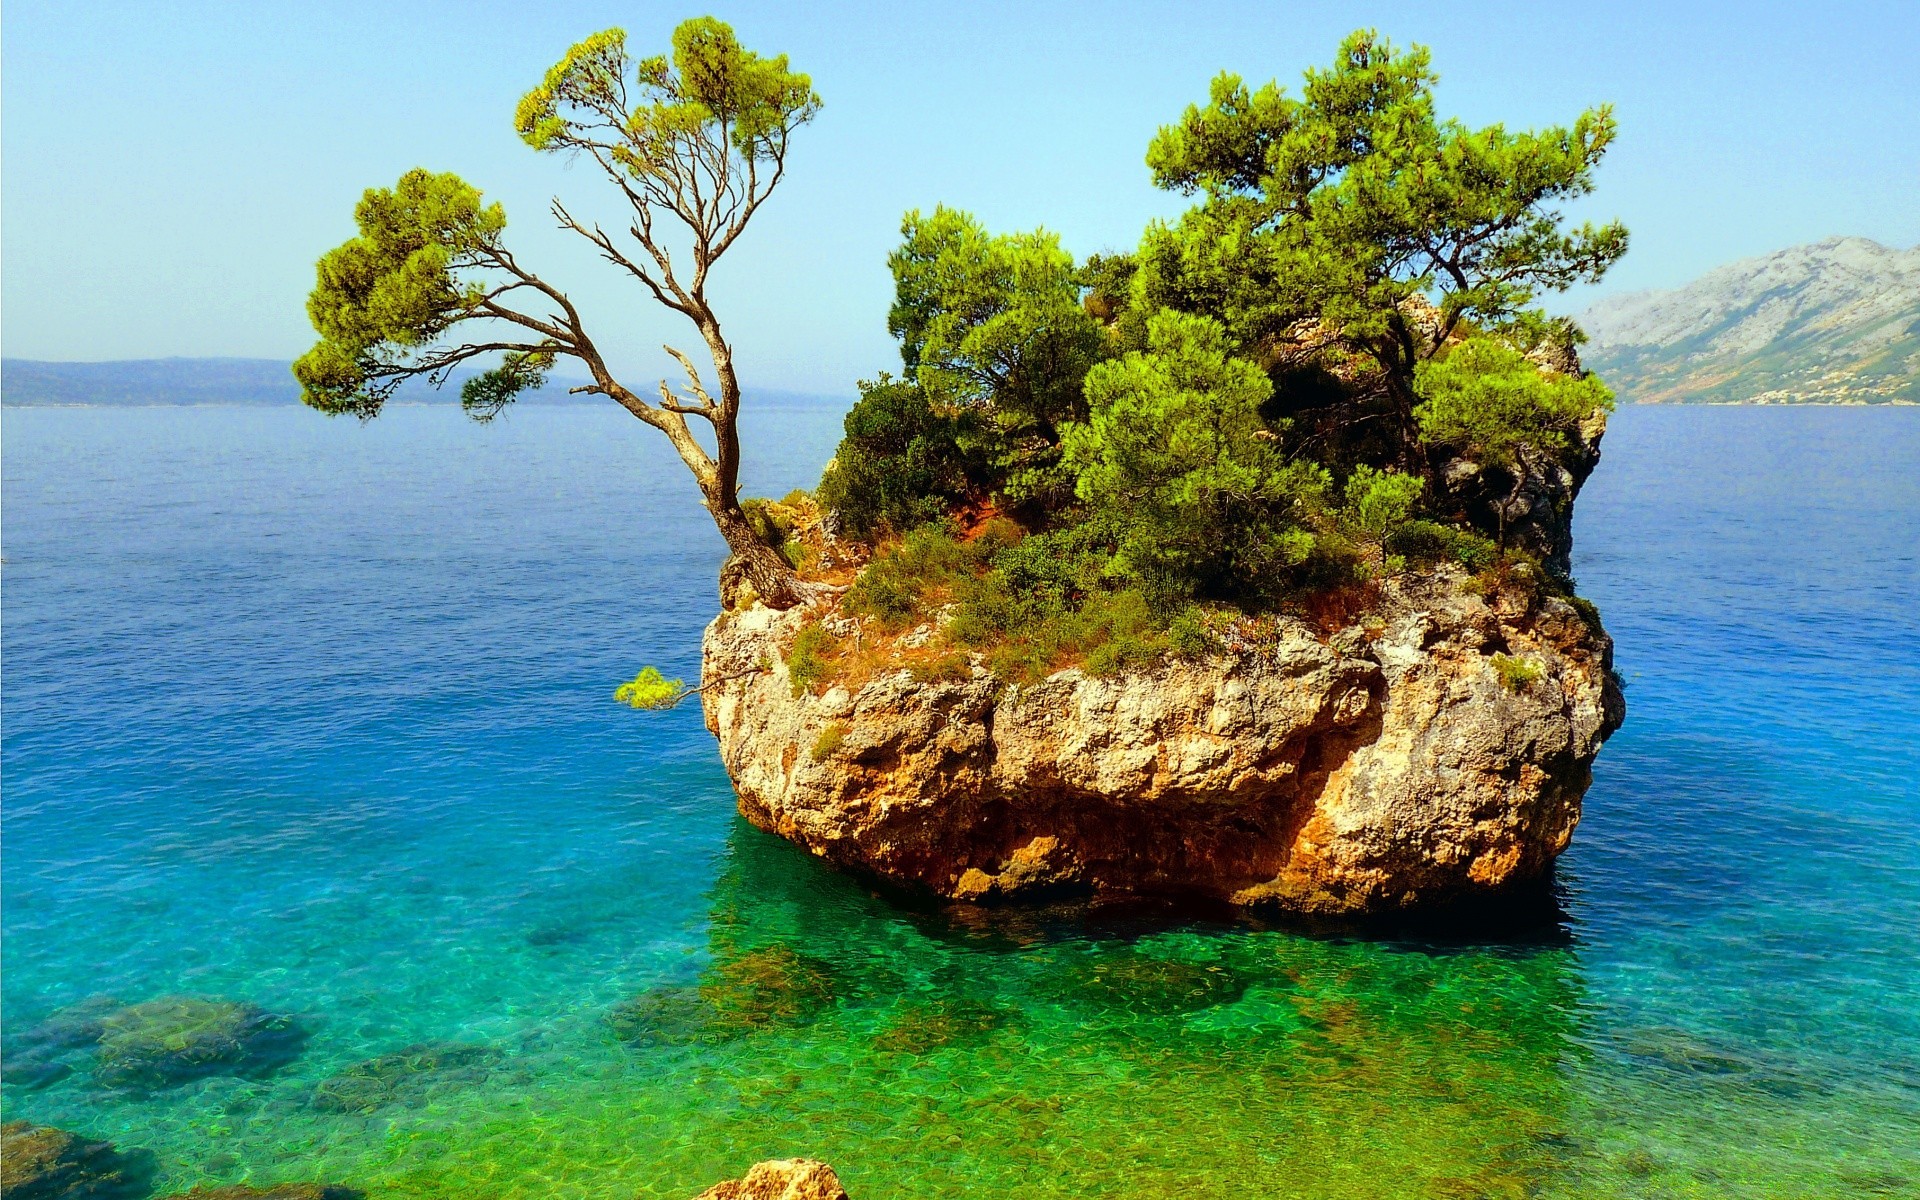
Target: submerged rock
point(1141, 985)
point(70, 1028)
point(39, 1162)
point(760, 989)
point(406, 1076)
point(1432, 747)
point(178, 1038)
point(781, 1179)
point(278, 1191)
point(923, 1027)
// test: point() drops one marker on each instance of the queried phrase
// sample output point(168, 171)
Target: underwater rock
point(1142, 985)
point(1384, 759)
point(757, 990)
point(923, 1027)
point(278, 1191)
point(406, 1076)
point(178, 1038)
point(1682, 1051)
point(39, 1162)
point(781, 1179)
point(71, 1028)
point(32, 1074)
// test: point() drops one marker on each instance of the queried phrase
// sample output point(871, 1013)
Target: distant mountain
point(1834, 322)
point(32, 383)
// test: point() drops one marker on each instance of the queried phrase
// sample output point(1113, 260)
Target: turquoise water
point(316, 717)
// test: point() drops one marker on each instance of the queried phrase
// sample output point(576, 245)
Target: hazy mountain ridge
point(163, 382)
point(1837, 321)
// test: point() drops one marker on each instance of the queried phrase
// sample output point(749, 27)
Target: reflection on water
point(327, 858)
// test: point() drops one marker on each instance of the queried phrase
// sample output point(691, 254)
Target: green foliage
point(901, 462)
point(1188, 635)
point(486, 395)
point(1342, 204)
point(709, 92)
point(650, 690)
point(1378, 502)
point(1488, 401)
point(829, 741)
point(948, 668)
point(896, 586)
point(1517, 674)
point(1107, 280)
point(808, 663)
point(1432, 541)
point(1588, 610)
point(394, 288)
point(1176, 458)
point(995, 323)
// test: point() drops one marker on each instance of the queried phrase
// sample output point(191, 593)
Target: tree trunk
point(778, 584)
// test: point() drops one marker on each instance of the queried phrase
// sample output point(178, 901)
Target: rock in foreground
point(39, 1162)
point(1435, 748)
point(781, 1179)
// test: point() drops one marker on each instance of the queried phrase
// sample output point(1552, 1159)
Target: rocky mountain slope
point(1834, 322)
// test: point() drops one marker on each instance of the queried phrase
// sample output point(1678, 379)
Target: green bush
point(829, 741)
point(895, 585)
point(1517, 674)
point(901, 462)
point(1588, 610)
point(1188, 635)
point(1430, 541)
point(1177, 461)
point(807, 664)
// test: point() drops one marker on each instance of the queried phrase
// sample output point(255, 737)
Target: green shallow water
point(343, 751)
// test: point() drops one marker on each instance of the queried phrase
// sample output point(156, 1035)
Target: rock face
point(781, 1179)
point(1436, 747)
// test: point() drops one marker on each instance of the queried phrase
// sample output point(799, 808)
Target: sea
point(316, 717)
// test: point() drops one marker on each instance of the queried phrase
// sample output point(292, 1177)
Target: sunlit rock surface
point(1434, 749)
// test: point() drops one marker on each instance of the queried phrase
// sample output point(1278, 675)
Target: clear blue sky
point(171, 170)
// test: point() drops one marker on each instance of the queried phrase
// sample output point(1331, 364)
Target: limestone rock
point(1387, 765)
point(781, 1179)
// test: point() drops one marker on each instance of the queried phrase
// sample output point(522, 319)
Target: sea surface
point(316, 716)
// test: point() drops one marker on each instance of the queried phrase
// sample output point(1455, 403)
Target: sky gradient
point(171, 171)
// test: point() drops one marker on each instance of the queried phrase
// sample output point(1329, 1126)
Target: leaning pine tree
point(699, 136)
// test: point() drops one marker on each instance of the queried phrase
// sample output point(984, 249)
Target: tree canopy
point(696, 137)
point(1275, 387)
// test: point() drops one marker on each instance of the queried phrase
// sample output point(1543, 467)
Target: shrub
point(776, 520)
point(829, 741)
point(1431, 541)
point(1379, 502)
point(1516, 673)
point(1177, 460)
point(948, 668)
point(1188, 635)
point(901, 462)
point(1588, 610)
point(807, 662)
point(894, 587)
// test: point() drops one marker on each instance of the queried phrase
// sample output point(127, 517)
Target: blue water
point(317, 716)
